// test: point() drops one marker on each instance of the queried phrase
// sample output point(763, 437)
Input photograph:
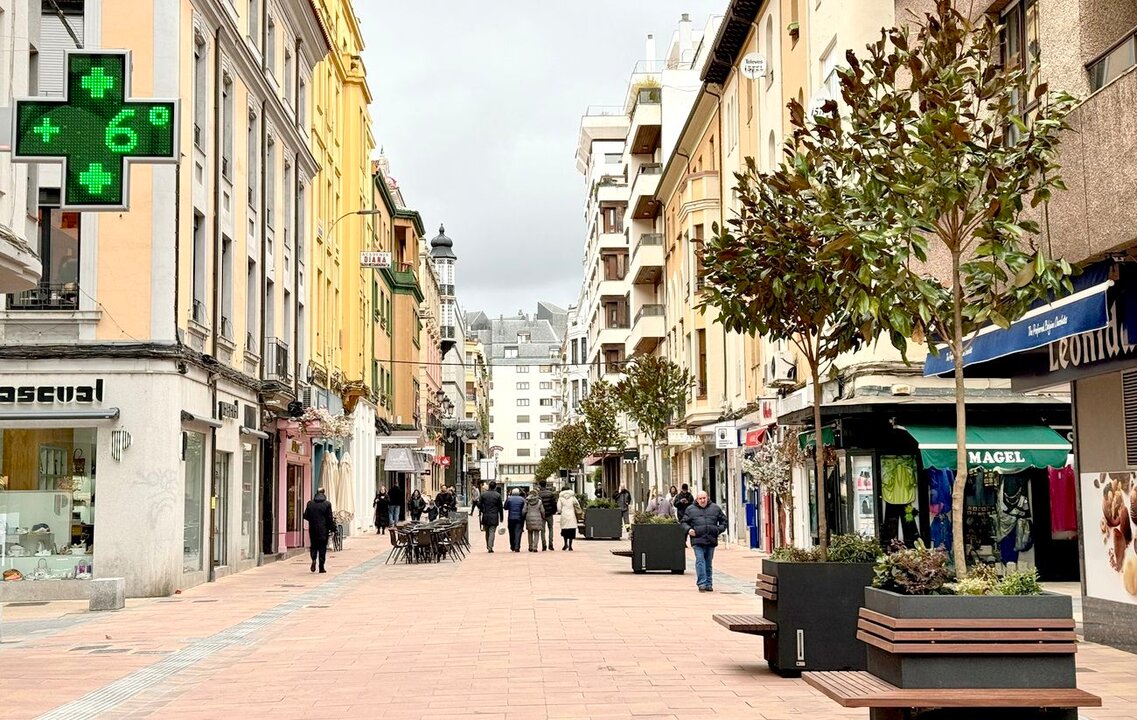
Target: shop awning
point(805, 440)
point(105, 414)
point(252, 432)
point(188, 417)
point(755, 437)
point(1007, 449)
point(1084, 311)
point(402, 459)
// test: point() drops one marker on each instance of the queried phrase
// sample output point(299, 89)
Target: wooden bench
point(967, 636)
point(748, 624)
point(860, 689)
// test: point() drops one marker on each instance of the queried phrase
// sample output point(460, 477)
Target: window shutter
point(1129, 397)
point(53, 40)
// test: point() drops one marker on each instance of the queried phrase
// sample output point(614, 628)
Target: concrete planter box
point(658, 547)
point(44, 590)
point(979, 670)
point(603, 524)
point(816, 612)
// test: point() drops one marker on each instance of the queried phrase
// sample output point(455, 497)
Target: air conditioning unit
point(781, 371)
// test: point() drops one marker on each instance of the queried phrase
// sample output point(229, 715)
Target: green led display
point(95, 130)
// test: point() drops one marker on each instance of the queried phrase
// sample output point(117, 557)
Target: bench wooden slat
point(967, 623)
point(966, 635)
point(749, 624)
point(622, 553)
point(766, 595)
point(860, 689)
point(984, 648)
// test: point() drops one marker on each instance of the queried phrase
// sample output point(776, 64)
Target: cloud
point(478, 107)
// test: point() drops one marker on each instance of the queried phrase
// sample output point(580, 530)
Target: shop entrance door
point(219, 506)
point(294, 508)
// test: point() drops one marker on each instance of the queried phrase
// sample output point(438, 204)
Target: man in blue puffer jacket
point(515, 518)
point(704, 522)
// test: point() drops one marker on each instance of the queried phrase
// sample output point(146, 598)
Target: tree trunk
point(654, 465)
point(959, 557)
point(787, 509)
point(819, 463)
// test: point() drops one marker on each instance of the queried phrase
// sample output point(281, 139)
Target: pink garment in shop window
point(1063, 503)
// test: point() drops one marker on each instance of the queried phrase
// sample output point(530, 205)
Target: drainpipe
point(296, 214)
point(218, 124)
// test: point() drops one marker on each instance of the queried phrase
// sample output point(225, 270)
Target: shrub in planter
point(816, 605)
point(916, 585)
point(658, 543)
point(602, 520)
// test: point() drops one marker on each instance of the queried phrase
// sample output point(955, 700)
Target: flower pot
point(603, 524)
point(984, 668)
point(816, 610)
point(658, 547)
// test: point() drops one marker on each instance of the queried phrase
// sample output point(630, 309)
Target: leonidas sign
point(51, 394)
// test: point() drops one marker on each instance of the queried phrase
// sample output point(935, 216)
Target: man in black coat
point(490, 507)
point(704, 522)
point(549, 500)
point(397, 498)
point(683, 501)
point(320, 524)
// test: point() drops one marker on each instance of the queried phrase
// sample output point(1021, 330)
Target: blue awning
point(1084, 311)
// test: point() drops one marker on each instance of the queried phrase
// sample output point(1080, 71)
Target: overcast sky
point(478, 107)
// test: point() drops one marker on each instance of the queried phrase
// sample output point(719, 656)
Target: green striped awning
point(1004, 448)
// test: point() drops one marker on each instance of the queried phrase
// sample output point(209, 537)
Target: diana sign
point(51, 394)
point(374, 259)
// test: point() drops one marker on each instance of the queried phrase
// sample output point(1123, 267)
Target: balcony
point(404, 279)
point(647, 121)
point(612, 336)
point(276, 366)
point(647, 330)
point(613, 240)
point(612, 288)
point(643, 202)
point(612, 189)
point(646, 267)
point(47, 296)
point(698, 191)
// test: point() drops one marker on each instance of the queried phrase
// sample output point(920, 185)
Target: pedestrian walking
point(659, 504)
point(382, 505)
point(398, 497)
point(416, 505)
point(623, 500)
point(318, 513)
point(431, 509)
point(442, 500)
point(490, 510)
point(515, 518)
point(683, 501)
point(569, 507)
point(549, 500)
point(704, 522)
point(477, 493)
point(534, 519)
point(672, 494)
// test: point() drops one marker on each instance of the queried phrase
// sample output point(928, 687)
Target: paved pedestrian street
point(519, 636)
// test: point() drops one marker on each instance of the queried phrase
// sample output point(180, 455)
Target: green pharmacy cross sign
point(96, 130)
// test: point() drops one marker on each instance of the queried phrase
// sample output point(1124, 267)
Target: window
point(575, 355)
point(523, 402)
point(522, 368)
point(701, 342)
point(227, 287)
point(544, 452)
point(523, 337)
point(227, 130)
point(510, 351)
point(194, 500)
point(253, 144)
point(584, 349)
point(546, 385)
point(1020, 49)
point(523, 452)
point(546, 402)
point(546, 368)
point(58, 249)
point(522, 436)
point(546, 436)
point(252, 292)
point(613, 218)
point(199, 263)
point(199, 106)
point(270, 182)
point(249, 480)
point(829, 79)
point(1117, 60)
point(270, 47)
point(522, 418)
point(289, 80)
point(522, 386)
point(546, 418)
point(769, 51)
point(254, 26)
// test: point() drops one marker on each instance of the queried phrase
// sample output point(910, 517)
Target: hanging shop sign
point(96, 130)
point(374, 259)
point(227, 411)
point(679, 436)
point(726, 437)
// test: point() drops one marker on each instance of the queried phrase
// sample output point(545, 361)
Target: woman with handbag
point(416, 505)
point(382, 505)
point(569, 507)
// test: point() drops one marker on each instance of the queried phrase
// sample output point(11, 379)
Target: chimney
point(649, 49)
point(684, 35)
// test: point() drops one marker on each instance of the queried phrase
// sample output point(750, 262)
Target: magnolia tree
point(653, 393)
point(771, 469)
point(948, 146)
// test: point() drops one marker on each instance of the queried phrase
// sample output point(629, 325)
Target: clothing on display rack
point(898, 491)
point(1012, 518)
point(1063, 503)
point(939, 506)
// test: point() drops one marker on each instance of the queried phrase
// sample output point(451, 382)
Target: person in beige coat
point(568, 506)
